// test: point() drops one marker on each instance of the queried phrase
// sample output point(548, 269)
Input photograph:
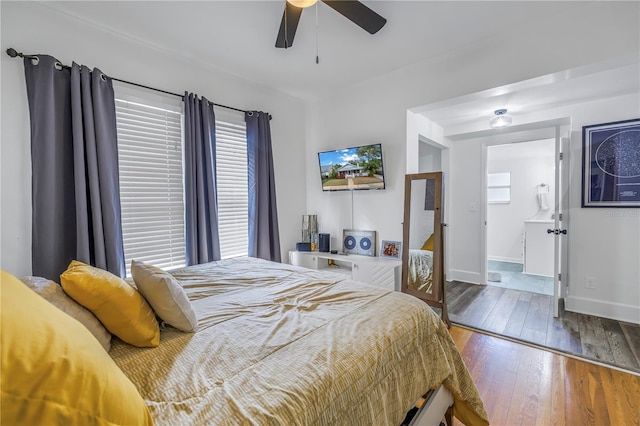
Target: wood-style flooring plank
point(622, 353)
point(617, 391)
point(480, 307)
point(632, 334)
point(460, 303)
point(564, 333)
point(528, 386)
point(518, 316)
point(454, 289)
point(499, 316)
point(558, 403)
point(589, 406)
point(594, 339)
point(536, 322)
point(538, 314)
point(523, 407)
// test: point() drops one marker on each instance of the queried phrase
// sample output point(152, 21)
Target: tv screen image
point(352, 168)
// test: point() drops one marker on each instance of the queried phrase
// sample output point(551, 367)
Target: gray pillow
point(53, 292)
point(165, 295)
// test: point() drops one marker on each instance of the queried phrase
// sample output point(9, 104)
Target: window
point(499, 188)
point(231, 170)
point(150, 156)
point(151, 185)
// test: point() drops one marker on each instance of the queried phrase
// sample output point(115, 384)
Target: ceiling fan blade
point(359, 14)
point(288, 25)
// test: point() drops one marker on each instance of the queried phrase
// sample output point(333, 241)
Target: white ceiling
point(536, 99)
point(238, 37)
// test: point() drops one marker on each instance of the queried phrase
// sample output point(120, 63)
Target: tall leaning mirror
point(423, 256)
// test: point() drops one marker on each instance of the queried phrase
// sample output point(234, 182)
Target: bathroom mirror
point(423, 256)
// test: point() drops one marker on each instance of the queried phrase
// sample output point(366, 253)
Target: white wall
point(33, 28)
point(528, 168)
point(430, 158)
point(376, 110)
point(603, 243)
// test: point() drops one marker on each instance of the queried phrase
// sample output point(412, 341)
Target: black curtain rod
point(13, 53)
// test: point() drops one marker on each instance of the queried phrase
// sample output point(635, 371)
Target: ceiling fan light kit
point(500, 119)
point(353, 10)
point(302, 3)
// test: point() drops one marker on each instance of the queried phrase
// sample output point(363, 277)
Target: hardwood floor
point(527, 316)
point(523, 385)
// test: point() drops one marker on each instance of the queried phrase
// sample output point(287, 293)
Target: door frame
point(562, 196)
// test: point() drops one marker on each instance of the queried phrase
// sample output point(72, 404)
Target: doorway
point(434, 157)
point(520, 208)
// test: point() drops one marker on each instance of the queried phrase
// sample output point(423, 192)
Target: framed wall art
point(391, 249)
point(611, 164)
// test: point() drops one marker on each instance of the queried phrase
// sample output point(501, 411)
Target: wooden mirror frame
point(437, 297)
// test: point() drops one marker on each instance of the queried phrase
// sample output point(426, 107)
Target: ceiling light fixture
point(501, 119)
point(302, 3)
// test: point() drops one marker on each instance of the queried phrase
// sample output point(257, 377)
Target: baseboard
point(465, 276)
point(506, 259)
point(616, 311)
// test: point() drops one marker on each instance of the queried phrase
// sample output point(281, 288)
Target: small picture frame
point(391, 249)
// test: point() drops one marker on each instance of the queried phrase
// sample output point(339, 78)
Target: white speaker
point(359, 242)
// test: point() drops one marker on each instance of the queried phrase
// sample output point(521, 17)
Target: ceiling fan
point(353, 10)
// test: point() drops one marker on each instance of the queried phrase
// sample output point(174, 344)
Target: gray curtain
point(264, 238)
point(201, 199)
point(74, 154)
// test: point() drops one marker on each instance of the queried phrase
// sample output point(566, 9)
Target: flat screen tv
point(352, 168)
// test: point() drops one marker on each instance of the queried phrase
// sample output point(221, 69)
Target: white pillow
point(53, 292)
point(165, 295)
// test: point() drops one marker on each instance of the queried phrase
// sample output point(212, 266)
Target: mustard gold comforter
point(282, 345)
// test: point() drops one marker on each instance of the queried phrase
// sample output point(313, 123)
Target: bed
point(279, 344)
point(420, 271)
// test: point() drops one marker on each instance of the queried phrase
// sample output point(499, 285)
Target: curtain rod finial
point(12, 52)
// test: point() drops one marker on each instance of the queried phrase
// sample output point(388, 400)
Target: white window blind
point(231, 170)
point(151, 177)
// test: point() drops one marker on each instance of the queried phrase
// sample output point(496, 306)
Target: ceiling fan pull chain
point(317, 53)
point(286, 24)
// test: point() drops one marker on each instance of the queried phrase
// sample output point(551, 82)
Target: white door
point(561, 220)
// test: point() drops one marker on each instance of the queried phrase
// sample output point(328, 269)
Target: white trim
point(616, 311)
point(465, 276)
point(506, 259)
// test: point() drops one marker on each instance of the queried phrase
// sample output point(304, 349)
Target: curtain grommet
point(35, 60)
point(58, 66)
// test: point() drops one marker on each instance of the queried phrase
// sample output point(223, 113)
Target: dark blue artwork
point(611, 170)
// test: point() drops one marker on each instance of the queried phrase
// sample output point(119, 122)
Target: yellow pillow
point(119, 306)
point(428, 245)
point(54, 372)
